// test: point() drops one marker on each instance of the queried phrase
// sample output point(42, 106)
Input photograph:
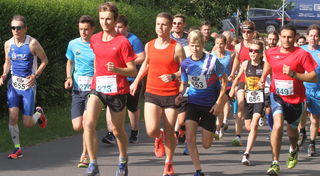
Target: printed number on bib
point(19, 83)
point(254, 96)
point(84, 83)
point(284, 87)
point(106, 84)
point(198, 82)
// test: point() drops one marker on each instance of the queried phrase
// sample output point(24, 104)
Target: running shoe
point(181, 137)
point(198, 173)
point(109, 138)
point(311, 150)
point(158, 145)
point(42, 121)
point(274, 169)
point(225, 126)
point(123, 169)
point(261, 121)
point(92, 170)
point(168, 169)
point(236, 141)
point(83, 162)
point(185, 150)
point(134, 137)
point(302, 138)
point(245, 159)
point(221, 133)
point(215, 135)
point(293, 158)
point(17, 153)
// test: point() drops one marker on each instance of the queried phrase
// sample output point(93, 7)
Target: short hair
point(205, 23)
point(301, 37)
point(87, 19)
point(196, 36)
point(275, 33)
point(109, 7)
point(249, 24)
point(193, 28)
point(227, 34)
point(288, 27)
point(19, 18)
point(258, 42)
point(220, 36)
point(122, 19)
point(165, 15)
point(313, 27)
point(179, 15)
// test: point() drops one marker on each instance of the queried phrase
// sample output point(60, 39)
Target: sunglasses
point(18, 28)
point(254, 51)
point(249, 32)
point(177, 23)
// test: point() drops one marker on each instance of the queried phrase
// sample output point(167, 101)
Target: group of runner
point(191, 77)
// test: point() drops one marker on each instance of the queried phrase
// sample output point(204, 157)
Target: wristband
point(173, 76)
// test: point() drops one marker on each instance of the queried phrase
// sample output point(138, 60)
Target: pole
point(282, 21)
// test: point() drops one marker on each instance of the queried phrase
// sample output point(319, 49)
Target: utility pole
point(282, 21)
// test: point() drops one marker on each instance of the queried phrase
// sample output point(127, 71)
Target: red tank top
point(243, 55)
point(161, 61)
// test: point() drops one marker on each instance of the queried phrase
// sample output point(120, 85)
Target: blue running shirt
point(227, 62)
point(23, 63)
point(137, 47)
point(203, 76)
point(316, 56)
point(82, 56)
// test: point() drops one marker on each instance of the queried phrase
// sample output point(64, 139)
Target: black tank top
point(253, 75)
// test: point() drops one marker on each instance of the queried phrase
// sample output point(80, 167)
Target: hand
point(166, 78)
point(110, 67)
point(68, 83)
point(287, 71)
point(261, 83)
point(2, 79)
point(32, 80)
point(178, 99)
point(216, 109)
point(230, 77)
point(133, 88)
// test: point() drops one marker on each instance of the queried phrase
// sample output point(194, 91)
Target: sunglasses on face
point(177, 23)
point(18, 28)
point(254, 51)
point(249, 32)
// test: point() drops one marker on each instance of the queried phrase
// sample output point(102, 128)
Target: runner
point(313, 89)
point(226, 59)
point(301, 40)
point(205, 29)
point(162, 63)
point(290, 66)
point(254, 96)
point(114, 61)
point(132, 101)
point(79, 71)
point(21, 53)
point(204, 95)
point(242, 54)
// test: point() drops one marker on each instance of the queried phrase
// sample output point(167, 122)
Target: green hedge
point(54, 24)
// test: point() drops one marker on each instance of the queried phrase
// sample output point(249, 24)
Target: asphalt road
point(60, 157)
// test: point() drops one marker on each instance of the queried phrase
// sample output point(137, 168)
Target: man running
point(114, 61)
point(313, 89)
point(290, 66)
point(162, 63)
point(21, 53)
point(79, 71)
point(178, 34)
point(205, 29)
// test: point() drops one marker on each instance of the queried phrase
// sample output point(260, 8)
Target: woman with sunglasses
point(254, 96)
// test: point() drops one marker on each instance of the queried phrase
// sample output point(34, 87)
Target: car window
point(270, 13)
point(259, 13)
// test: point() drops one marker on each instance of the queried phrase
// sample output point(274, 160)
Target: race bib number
point(19, 83)
point(198, 82)
point(284, 87)
point(254, 96)
point(84, 83)
point(106, 84)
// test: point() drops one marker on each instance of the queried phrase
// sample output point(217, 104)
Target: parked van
point(303, 13)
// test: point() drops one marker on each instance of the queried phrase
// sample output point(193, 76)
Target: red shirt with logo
point(289, 89)
point(119, 51)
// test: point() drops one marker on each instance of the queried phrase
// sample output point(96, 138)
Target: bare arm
point(216, 108)
point(130, 70)
point(306, 77)
point(236, 63)
point(140, 58)
point(7, 63)
point(236, 80)
point(68, 83)
point(265, 73)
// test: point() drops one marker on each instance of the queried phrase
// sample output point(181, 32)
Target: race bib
point(106, 84)
point(254, 96)
point(198, 82)
point(19, 83)
point(284, 87)
point(84, 83)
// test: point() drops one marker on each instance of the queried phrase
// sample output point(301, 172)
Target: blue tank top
point(23, 63)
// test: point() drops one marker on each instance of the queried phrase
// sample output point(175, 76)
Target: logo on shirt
point(78, 52)
point(194, 78)
point(277, 57)
point(15, 56)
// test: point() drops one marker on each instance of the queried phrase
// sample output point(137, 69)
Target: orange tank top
point(161, 61)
